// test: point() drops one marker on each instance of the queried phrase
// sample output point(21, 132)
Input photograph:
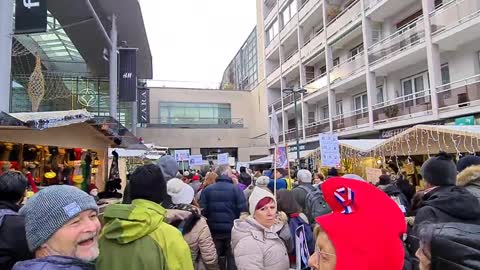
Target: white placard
point(196, 160)
point(242, 164)
point(330, 150)
point(223, 159)
point(182, 155)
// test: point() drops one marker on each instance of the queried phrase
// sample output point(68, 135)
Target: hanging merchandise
point(114, 183)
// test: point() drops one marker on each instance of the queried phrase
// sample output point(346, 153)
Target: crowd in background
point(223, 219)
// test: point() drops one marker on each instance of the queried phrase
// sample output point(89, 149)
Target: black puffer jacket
point(455, 246)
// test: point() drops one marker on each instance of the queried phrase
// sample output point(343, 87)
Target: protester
point(363, 232)
point(405, 187)
point(187, 218)
point(300, 192)
point(186, 177)
point(135, 236)
point(13, 243)
point(318, 180)
point(259, 240)
point(195, 184)
point(394, 192)
point(332, 172)
point(281, 182)
point(469, 174)
point(261, 182)
point(210, 179)
point(452, 246)
point(245, 178)
point(222, 203)
point(62, 229)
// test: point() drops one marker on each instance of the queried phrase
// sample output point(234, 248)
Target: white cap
point(257, 195)
point(180, 192)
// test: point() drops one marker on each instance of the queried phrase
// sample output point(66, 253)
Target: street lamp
point(295, 92)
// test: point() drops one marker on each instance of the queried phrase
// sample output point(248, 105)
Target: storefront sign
point(127, 88)
point(330, 150)
point(143, 105)
point(30, 16)
point(465, 121)
point(388, 133)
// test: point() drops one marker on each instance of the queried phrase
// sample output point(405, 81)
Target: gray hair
point(304, 176)
point(223, 170)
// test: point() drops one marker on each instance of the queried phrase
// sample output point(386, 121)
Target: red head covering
point(196, 178)
point(366, 226)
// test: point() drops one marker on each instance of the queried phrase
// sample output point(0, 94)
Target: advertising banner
point(143, 105)
point(127, 75)
point(30, 16)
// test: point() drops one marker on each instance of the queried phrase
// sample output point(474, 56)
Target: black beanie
point(147, 182)
point(440, 170)
point(466, 162)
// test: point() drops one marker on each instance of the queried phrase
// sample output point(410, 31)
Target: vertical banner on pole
point(127, 88)
point(143, 106)
point(30, 16)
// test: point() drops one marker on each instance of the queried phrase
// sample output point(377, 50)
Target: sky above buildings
point(195, 40)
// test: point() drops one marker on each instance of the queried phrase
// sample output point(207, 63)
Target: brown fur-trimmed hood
point(469, 175)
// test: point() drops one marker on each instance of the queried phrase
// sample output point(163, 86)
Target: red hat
point(365, 227)
point(196, 178)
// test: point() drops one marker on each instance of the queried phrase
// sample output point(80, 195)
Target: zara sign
point(143, 105)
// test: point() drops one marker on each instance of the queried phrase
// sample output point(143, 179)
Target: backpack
point(6, 212)
point(296, 221)
point(315, 205)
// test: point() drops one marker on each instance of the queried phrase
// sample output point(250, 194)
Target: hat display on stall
point(467, 161)
point(365, 226)
point(257, 195)
point(180, 192)
point(439, 170)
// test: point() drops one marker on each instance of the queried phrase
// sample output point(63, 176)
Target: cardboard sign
point(373, 175)
point(223, 159)
point(182, 155)
point(196, 160)
point(329, 150)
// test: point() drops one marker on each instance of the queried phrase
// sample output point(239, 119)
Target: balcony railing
point(270, 13)
point(290, 135)
point(370, 4)
point(306, 8)
point(272, 45)
point(351, 119)
point(274, 75)
point(313, 44)
point(403, 39)
point(411, 105)
point(316, 84)
point(459, 94)
point(453, 14)
point(290, 61)
point(349, 67)
point(195, 122)
point(313, 129)
point(289, 27)
point(277, 105)
point(344, 18)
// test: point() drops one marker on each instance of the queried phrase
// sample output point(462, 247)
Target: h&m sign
point(30, 16)
point(127, 88)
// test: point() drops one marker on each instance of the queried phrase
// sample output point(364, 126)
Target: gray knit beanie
point(51, 208)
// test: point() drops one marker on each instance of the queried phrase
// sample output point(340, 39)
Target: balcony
point(290, 135)
point(195, 122)
point(271, 46)
point(316, 84)
point(371, 4)
point(408, 106)
point(350, 120)
point(344, 19)
point(290, 62)
point(348, 68)
point(274, 76)
point(307, 8)
point(289, 27)
point(277, 105)
point(313, 45)
point(271, 14)
point(459, 95)
point(313, 129)
point(454, 14)
point(403, 39)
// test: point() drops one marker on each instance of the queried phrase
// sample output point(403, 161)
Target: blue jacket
point(54, 263)
point(222, 203)
point(281, 184)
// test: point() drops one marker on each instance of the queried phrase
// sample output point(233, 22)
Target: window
point(325, 112)
point(413, 89)
point(360, 105)
point(339, 108)
point(376, 34)
point(336, 62)
point(178, 113)
point(272, 30)
point(379, 94)
point(356, 51)
point(289, 11)
point(323, 70)
point(309, 73)
point(445, 71)
point(311, 117)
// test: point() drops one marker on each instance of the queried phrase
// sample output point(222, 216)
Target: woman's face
point(324, 257)
point(316, 180)
point(266, 215)
point(424, 258)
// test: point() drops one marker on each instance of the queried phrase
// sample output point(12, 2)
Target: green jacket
point(135, 236)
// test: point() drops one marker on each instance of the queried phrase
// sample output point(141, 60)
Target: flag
point(274, 130)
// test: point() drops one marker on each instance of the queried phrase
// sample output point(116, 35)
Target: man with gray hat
point(62, 229)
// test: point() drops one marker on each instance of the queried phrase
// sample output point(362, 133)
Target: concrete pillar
point(370, 76)
point(433, 56)
point(113, 69)
point(6, 31)
point(329, 64)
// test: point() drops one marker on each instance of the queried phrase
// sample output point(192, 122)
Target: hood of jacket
point(455, 246)
point(184, 220)
point(454, 201)
point(54, 262)
point(224, 178)
point(247, 226)
point(169, 167)
point(390, 189)
point(469, 176)
point(126, 223)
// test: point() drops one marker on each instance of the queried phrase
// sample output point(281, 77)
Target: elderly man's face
point(78, 238)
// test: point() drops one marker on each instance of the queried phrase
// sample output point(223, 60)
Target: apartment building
point(369, 67)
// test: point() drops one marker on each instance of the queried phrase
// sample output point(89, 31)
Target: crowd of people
point(224, 219)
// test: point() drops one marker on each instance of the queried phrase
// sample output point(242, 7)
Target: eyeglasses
point(319, 252)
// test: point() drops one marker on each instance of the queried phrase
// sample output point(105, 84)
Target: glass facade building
point(184, 113)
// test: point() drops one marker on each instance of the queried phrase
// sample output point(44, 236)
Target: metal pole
point(6, 31)
point(296, 127)
point(113, 69)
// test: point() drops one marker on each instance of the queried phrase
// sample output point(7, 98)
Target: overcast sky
point(195, 40)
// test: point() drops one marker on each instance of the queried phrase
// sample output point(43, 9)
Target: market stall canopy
point(65, 126)
point(361, 145)
point(291, 157)
point(430, 139)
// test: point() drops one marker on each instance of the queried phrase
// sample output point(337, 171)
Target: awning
point(291, 157)
point(361, 145)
